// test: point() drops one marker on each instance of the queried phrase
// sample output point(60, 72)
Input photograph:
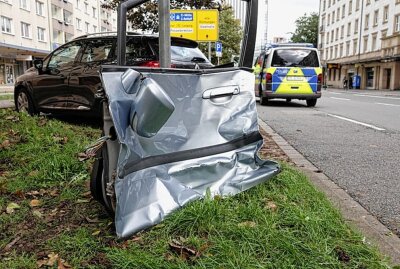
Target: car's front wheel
point(23, 102)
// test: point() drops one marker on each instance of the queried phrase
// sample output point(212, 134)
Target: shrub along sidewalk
point(47, 218)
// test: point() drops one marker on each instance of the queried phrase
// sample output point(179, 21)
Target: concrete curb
point(352, 211)
point(6, 103)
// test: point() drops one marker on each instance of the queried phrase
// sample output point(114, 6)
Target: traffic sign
point(198, 25)
point(218, 49)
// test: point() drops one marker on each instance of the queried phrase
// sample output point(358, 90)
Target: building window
point(323, 5)
point(373, 44)
point(348, 28)
point(350, 6)
point(333, 17)
point(368, 2)
point(94, 29)
point(397, 23)
point(385, 13)
point(58, 36)
point(343, 10)
point(56, 12)
point(356, 26)
point(342, 32)
point(354, 46)
point(376, 16)
point(341, 50)
point(337, 33)
point(68, 37)
point(327, 38)
point(332, 35)
point(338, 14)
point(6, 24)
point(86, 27)
point(78, 4)
point(329, 19)
point(78, 24)
point(41, 34)
point(348, 49)
point(67, 17)
point(25, 30)
point(39, 8)
point(384, 33)
point(94, 11)
point(86, 5)
point(365, 44)
point(366, 24)
point(357, 5)
point(24, 4)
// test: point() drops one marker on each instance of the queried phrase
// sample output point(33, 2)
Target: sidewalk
point(366, 91)
point(6, 89)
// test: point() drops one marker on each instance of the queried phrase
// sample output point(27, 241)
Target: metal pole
point(164, 33)
point(209, 51)
point(123, 7)
point(249, 34)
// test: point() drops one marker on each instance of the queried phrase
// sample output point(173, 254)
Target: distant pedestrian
point(345, 83)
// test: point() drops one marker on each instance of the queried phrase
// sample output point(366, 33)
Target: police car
point(288, 71)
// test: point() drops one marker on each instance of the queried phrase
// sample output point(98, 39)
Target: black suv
point(67, 81)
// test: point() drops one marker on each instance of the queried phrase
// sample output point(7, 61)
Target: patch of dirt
point(270, 150)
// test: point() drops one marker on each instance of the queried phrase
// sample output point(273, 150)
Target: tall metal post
point(249, 34)
point(164, 33)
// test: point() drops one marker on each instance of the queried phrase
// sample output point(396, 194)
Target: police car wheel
point(263, 101)
point(311, 102)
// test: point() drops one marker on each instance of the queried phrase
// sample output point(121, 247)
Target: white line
point(375, 96)
point(335, 92)
point(386, 104)
point(357, 122)
point(338, 98)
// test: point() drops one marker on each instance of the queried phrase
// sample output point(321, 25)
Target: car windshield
point(295, 57)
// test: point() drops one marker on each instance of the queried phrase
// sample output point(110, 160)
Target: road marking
point(384, 104)
point(375, 96)
point(357, 122)
point(335, 92)
point(338, 98)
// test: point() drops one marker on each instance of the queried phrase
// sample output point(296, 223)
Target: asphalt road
point(354, 138)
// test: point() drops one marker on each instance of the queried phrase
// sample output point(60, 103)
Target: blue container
point(356, 82)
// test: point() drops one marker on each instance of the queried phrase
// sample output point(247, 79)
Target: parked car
point(67, 81)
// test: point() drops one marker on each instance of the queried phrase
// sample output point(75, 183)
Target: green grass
point(6, 97)
point(283, 223)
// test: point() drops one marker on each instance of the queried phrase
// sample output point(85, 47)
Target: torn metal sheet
point(181, 133)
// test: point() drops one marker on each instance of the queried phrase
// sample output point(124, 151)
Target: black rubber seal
point(131, 167)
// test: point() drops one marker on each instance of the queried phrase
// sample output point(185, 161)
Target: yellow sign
point(198, 25)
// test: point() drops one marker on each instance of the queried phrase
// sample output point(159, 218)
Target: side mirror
point(38, 64)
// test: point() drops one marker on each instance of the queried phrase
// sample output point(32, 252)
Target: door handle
point(221, 92)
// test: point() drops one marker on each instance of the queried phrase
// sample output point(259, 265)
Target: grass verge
point(6, 97)
point(47, 218)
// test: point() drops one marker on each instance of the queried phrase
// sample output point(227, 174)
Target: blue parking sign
point(218, 49)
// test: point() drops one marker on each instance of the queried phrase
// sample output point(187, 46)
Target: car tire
point(24, 103)
point(99, 180)
point(288, 100)
point(263, 100)
point(311, 102)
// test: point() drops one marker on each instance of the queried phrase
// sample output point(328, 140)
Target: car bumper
point(271, 95)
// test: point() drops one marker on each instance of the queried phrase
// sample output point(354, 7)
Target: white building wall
point(362, 47)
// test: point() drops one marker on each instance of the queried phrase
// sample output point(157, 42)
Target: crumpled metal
point(201, 112)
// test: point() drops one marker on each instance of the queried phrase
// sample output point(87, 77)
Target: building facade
point(33, 28)
point(360, 38)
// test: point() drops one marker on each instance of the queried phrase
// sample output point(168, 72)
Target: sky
point(282, 15)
